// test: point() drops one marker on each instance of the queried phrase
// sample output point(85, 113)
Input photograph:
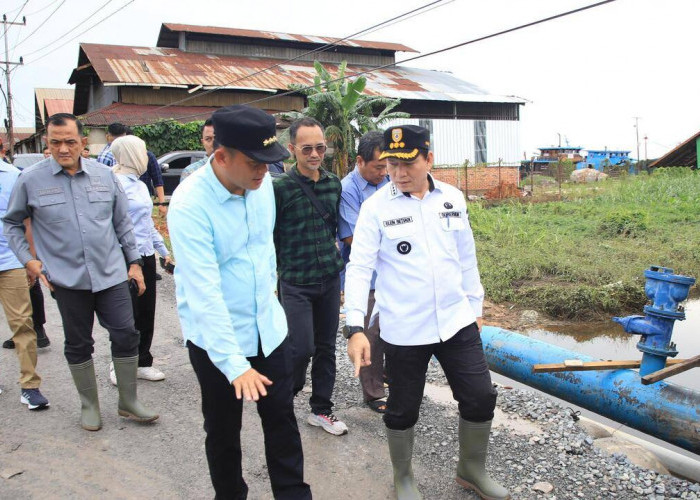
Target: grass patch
point(584, 257)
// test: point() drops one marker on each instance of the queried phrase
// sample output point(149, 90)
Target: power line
point(70, 30)
point(84, 31)
point(421, 56)
point(42, 9)
point(318, 49)
point(38, 27)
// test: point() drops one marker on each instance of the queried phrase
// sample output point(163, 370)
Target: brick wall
point(477, 179)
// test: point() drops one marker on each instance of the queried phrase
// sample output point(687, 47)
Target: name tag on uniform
point(397, 222)
point(49, 191)
point(447, 215)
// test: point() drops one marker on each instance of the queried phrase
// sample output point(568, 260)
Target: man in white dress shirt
point(415, 233)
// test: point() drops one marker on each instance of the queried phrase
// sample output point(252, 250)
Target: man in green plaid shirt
point(309, 265)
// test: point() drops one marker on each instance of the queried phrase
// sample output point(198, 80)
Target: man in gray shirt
point(84, 237)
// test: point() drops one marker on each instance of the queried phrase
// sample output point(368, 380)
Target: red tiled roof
point(288, 37)
point(134, 114)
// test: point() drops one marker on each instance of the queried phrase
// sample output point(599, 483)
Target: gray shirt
point(78, 223)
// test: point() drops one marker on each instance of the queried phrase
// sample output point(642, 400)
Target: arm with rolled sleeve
point(121, 221)
point(471, 282)
point(13, 221)
point(363, 261)
point(200, 278)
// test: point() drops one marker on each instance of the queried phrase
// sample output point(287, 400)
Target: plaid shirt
point(306, 249)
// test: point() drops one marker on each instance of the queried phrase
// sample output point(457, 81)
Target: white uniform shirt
point(428, 286)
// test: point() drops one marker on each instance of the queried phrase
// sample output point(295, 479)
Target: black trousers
point(37, 298)
point(114, 312)
point(463, 361)
point(145, 310)
point(312, 319)
point(222, 424)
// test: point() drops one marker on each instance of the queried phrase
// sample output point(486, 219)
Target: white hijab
point(130, 153)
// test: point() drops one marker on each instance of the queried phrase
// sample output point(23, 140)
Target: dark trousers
point(114, 312)
point(372, 376)
point(37, 298)
point(145, 310)
point(222, 424)
point(463, 361)
point(312, 319)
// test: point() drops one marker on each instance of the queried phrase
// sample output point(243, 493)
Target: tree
point(346, 113)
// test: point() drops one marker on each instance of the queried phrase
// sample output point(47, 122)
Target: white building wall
point(453, 140)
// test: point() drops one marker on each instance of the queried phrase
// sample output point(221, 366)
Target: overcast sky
point(584, 76)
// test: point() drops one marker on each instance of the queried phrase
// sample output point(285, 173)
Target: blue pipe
point(663, 410)
point(666, 290)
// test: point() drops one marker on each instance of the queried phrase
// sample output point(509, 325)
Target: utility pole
point(8, 63)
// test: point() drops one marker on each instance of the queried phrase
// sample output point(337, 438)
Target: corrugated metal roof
point(130, 114)
point(41, 95)
point(683, 155)
point(165, 67)
point(19, 133)
point(271, 35)
point(54, 106)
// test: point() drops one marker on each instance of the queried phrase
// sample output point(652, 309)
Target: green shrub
point(169, 135)
point(623, 222)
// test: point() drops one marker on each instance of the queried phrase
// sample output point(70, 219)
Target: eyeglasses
point(306, 150)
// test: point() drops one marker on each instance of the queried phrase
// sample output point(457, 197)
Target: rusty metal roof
point(683, 155)
point(287, 37)
point(118, 65)
point(133, 114)
point(58, 100)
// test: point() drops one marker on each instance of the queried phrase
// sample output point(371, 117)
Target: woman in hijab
point(130, 154)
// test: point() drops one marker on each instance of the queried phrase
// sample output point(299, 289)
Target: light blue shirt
point(8, 177)
point(355, 191)
point(192, 168)
point(148, 239)
point(226, 270)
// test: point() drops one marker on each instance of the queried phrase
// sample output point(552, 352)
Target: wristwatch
point(349, 331)
point(138, 261)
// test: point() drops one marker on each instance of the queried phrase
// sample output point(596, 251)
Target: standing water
point(609, 342)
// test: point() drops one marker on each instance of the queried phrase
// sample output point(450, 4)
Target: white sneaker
point(112, 375)
point(329, 423)
point(149, 373)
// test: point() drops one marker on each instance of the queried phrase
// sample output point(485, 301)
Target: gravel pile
point(559, 462)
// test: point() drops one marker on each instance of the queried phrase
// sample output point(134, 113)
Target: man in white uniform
point(415, 233)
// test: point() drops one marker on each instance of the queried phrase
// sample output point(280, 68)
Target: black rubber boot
point(401, 452)
point(84, 379)
point(471, 469)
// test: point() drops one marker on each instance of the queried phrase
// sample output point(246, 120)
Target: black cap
point(250, 131)
point(405, 142)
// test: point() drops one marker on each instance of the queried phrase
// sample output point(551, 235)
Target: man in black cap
point(221, 223)
point(414, 232)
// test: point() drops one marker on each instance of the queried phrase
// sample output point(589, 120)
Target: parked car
point(25, 160)
point(172, 164)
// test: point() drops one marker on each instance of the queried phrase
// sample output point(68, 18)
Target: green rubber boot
point(471, 469)
point(129, 406)
point(401, 452)
point(84, 380)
